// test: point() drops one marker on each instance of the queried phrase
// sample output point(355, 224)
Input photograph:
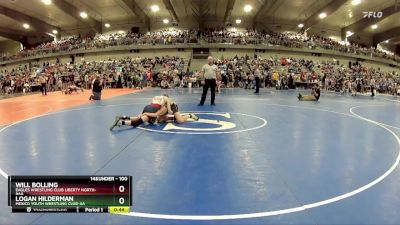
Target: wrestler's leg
point(308, 98)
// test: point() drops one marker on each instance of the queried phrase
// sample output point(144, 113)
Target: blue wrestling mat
point(251, 159)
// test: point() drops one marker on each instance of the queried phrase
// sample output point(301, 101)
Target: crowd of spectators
point(291, 73)
point(174, 36)
point(70, 43)
point(357, 77)
point(128, 72)
point(293, 40)
point(236, 72)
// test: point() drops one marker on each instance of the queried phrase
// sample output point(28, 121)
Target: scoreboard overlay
point(70, 194)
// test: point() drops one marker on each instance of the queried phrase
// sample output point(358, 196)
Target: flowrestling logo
point(211, 123)
point(372, 14)
point(379, 14)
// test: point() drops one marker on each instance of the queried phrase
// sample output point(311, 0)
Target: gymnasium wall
point(142, 53)
point(361, 38)
point(197, 64)
point(9, 47)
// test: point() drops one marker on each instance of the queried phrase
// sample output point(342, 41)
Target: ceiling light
point(300, 25)
point(355, 2)
point(322, 15)
point(349, 33)
point(46, 2)
point(55, 31)
point(387, 41)
point(155, 8)
point(51, 35)
point(374, 26)
point(107, 25)
point(26, 26)
point(247, 8)
point(83, 15)
point(350, 15)
point(165, 21)
point(238, 21)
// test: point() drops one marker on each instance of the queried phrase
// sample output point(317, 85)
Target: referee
point(257, 79)
point(209, 73)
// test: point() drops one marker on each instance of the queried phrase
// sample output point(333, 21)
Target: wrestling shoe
point(300, 96)
point(124, 117)
point(194, 117)
point(116, 122)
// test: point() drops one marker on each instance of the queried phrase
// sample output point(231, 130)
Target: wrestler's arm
point(202, 75)
point(315, 94)
point(313, 91)
point(168, 104)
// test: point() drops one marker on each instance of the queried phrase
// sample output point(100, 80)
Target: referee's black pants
point(257, 84)
point(208, 83)
point(44, 89)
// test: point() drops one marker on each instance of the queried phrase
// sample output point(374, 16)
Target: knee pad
point(174, 108)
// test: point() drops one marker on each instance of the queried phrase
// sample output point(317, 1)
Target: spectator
point(372, 86)
point(43, 83)
point(96, 89)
